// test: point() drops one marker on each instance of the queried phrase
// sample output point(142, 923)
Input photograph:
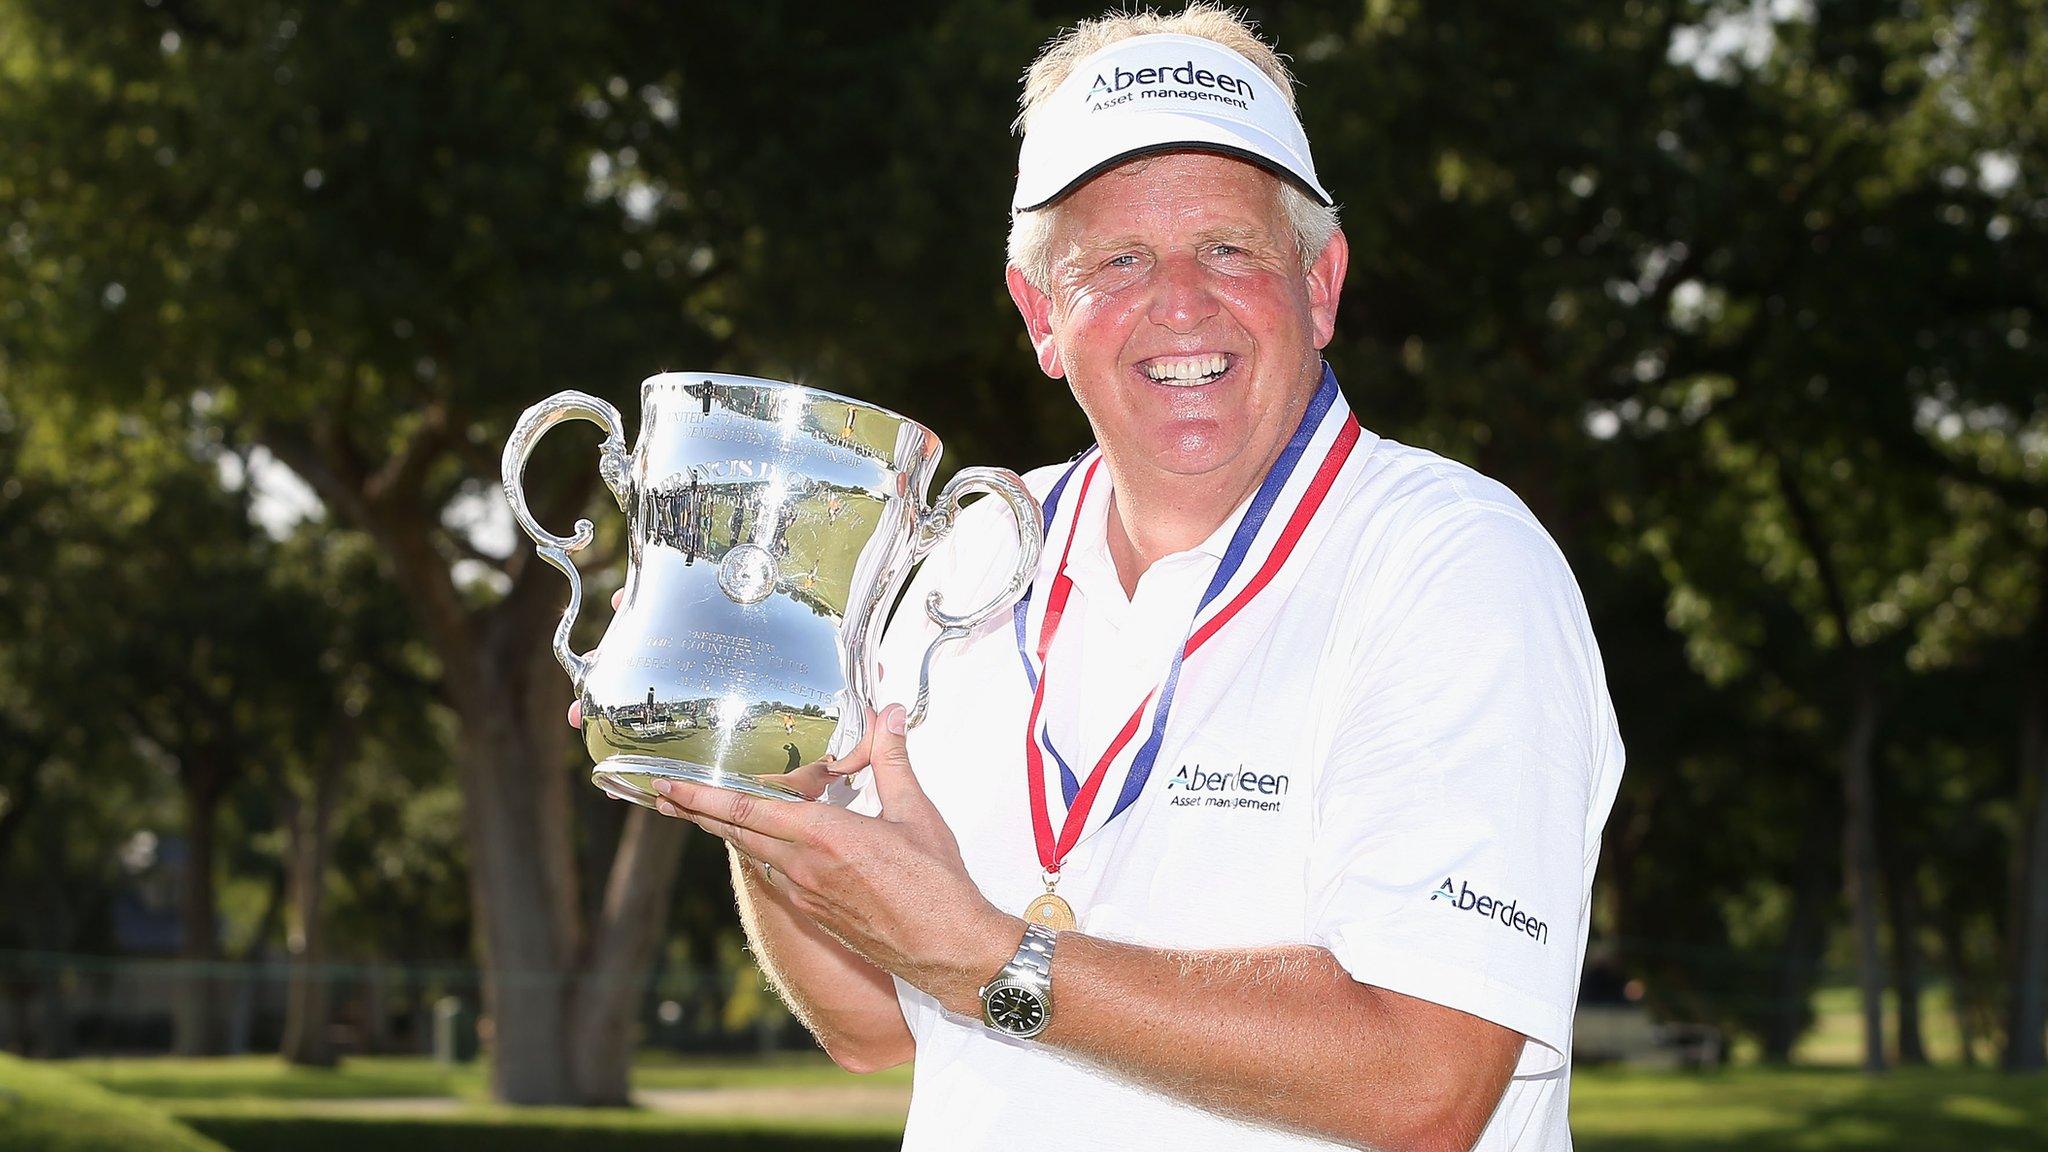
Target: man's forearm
point(1279, 1036)
point(846, 1002)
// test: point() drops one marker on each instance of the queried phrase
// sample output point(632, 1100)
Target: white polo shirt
point(1402, 751)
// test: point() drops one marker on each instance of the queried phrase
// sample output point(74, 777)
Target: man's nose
point(1181, 297)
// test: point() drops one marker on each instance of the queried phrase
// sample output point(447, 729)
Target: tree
point(357, 236)
point(158, 629)
point(371, 701)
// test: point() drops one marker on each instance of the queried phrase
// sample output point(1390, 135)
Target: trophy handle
point(932, 527)
point(613, 462)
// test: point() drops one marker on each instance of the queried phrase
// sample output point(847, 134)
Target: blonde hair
point(1031, 232)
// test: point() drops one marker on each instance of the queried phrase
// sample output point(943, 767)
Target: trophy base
point(632, 778)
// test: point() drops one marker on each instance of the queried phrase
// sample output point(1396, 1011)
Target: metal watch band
point(1033, 962)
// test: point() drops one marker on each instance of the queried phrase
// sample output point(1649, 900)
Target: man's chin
point(1197, 458)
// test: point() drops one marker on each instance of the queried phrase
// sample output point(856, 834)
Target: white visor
point(1159, 93)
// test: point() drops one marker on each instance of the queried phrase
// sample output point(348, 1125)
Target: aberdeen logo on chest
point(1237, 787)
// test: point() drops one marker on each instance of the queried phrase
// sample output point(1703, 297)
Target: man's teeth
point(1188, 368)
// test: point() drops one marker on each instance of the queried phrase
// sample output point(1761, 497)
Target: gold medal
point(1049, 911)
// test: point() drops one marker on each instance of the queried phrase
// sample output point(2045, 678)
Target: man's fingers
point(857, 759)
point(775, 819)
point(810, 780)
point(764, 849)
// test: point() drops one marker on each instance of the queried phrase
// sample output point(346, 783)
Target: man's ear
point(1036, 308)
point(1325, 279)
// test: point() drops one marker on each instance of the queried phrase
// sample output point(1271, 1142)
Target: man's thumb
point(895, 783)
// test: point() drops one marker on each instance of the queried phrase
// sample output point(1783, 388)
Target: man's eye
point(1228, 250)
point(1127, 260)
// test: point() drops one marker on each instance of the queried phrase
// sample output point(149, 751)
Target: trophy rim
point(730, 380)
point(614, 777)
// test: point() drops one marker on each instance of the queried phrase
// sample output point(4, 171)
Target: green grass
point(284, 1126)
point(43, 1109)
point(261, 1104)
point(1837, 1033)
point(269, 1078)
point(1800, 1109)
point(414, 1077)
point(788, 1069)
point(258, 1105)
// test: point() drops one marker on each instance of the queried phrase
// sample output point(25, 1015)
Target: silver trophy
point(770, 528)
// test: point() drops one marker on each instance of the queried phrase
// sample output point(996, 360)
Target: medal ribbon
point(1081, 795)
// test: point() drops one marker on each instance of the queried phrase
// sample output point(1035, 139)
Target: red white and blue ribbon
point(1299, 480)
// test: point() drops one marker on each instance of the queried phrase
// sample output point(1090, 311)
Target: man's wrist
point(983, 948)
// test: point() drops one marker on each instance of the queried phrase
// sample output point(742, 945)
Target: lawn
point(395, 1105)
point(42, 1109)
point(1802, 1109)
point(169, 1078)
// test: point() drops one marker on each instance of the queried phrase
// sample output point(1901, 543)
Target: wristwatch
point(1018, 1002)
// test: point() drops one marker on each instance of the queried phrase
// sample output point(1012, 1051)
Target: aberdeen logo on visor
point(1159, 93)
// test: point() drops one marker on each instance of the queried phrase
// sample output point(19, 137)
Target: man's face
point(1179, 312)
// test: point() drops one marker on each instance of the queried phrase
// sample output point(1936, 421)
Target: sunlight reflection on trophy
point(770, 526)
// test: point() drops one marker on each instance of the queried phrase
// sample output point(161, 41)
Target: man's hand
point(892, 888)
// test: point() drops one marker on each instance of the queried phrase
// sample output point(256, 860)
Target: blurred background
point(1744, 298)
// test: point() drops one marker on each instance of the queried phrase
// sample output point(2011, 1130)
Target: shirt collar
point(1091, 523)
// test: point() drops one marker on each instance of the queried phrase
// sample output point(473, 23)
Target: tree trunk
point(1859, 800)
point(1805, 939)
point(609, 994)
point(1905, 916)
point(242, 1018)
point(525, 908)
point(1859, 860)
point(1899, 865)
point(2026, 1050)
point(499, 676)
point(197, 1024)
point(1962, 997)
point(53, 1019)
point(308, 993)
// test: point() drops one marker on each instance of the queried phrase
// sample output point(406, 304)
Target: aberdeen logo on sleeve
point(1504, 912)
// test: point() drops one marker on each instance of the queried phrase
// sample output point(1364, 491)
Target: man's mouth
point(1186, 371)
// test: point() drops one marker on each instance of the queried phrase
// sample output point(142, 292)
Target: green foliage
point(45, 1110)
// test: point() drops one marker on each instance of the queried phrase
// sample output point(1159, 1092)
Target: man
point(1269, 818)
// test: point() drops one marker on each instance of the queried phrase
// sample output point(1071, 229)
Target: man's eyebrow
point(1242, 235)
point(1105, 244)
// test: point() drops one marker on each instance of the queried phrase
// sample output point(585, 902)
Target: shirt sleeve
point(1452, 851)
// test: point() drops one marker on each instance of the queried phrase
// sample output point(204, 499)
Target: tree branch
point(466, 549)
point(1807, 524)
point(302, 455)
point(401, 477)
point(21, 800)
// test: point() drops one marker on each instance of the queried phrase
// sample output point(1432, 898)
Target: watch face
point(1015, 1010)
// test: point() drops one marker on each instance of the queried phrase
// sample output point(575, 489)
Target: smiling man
point(1268, 820)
